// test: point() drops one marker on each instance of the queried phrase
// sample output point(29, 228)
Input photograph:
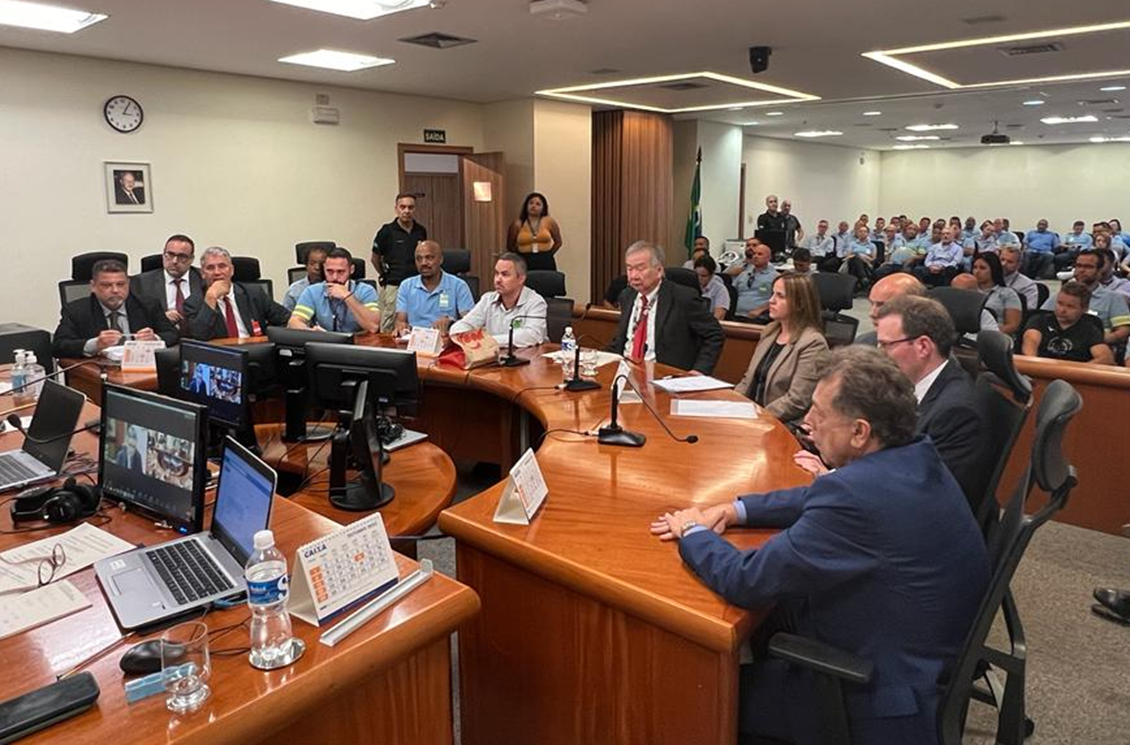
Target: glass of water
point(589, 359)
point(186, 665)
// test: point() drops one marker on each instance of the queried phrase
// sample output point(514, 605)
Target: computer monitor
point(360, 382)
point(217, 377)
point(152, 454)
point(290, 365)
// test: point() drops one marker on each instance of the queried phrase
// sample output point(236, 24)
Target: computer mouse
point(142, 659)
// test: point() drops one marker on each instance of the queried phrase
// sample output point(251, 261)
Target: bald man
point(884, 291)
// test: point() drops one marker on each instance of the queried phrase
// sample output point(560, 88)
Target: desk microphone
point(577, 383)
point(35, 381)
point(14, 420)
point(614, 434)
point(511, 359)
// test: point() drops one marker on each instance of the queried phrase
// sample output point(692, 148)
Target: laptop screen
point(243, 500)
point(57, 414)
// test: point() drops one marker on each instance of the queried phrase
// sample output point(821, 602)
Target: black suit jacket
point(151, 285)
point(687, 336)
point(121, 197)
point(254, 307)
point(83, 320)
point(949, 415)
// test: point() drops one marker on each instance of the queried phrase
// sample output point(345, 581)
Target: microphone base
point(620, 437)
point(579, 384)
point(513, 361)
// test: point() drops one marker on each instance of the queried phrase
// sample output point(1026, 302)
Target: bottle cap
point(264, 539)
point(568, 329)
point(29, 357)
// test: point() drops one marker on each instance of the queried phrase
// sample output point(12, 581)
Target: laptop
point(49, 438)
point(154, 583)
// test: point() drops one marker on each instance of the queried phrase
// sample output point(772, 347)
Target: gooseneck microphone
point(511, 359)
point(577, 383)
point(614, 434)
point(14, 420)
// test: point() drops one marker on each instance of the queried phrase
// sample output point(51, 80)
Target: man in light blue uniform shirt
point(340, 303)
point(755, 283)
point(1071, 245)
point(314, 259)
point(970, 231)
point(1039, 246)
point(942, 261)
point(820, 244)
point(433, 298)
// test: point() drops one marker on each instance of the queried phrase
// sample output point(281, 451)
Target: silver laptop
point(153, 583)
point(49, 438)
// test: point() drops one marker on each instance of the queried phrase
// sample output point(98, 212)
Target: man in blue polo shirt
point(433, 297)
point(1039, 245)
point(1071, 245)
point(339, 303)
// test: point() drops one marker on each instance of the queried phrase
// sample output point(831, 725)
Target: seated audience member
point(785, 365)
point(510, 305)
point(879, 558)
point(1071, 245)
point(340, 303)
point(802, 262)
point(1001, 301)
point(174, 283)
point(1107, 280)
point(842, 237)
point(1014, 279)
point(983, 242)
point(970, 230)
point(228, 309)
point(612, 294)
point(701, 248)
point(713, 288)
point(1002, 235)
point(884, 291)
point(754, 284)
point(877, 232)
point(1068, 333)
point(902, 253)
point(924, 226)
point(1118, 239)
point(892, 238)
point(315, 257)
point(820, 245)
point(1110, 307)
point(942, 261)
point(433, 298)
point(1039, 248)
point(664, 321)
point(91, 325)
point(859, 257)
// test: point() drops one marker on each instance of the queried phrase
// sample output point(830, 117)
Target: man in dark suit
point(227, 309)
point(126, 191)
point(879, 558)
point(174, 283)
point(90, 325)
point(918, 333)
point(664, 321)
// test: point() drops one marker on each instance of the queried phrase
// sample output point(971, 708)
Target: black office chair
point(880, 253)
point(303, 248)
point(559, 314)
point(15, 336)
point(733, 292)
point(547, 283)
point(245, 268)
point(457, 261)
point(83, 264)
point(151, 262)
point(683, 276)
point(1051, 472)
point(168, 371)
point(358, 268)
point(294, 274)
point(837, 293)
point(1043, 292)
point(71, 290)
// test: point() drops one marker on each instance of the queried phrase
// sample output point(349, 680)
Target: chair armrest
point(821, 658)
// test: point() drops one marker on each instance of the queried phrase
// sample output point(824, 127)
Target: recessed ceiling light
point(872, 113)
point(818, 133)
point(1098, 140)
point(364, 10)
point(736, 108)
point(930, 127)
point(774, 113)
point(1016, 142)
point(911, 147)
point(331, 59)
point(1112, 88)
point(751, 124)
point(916, 138)
point(1068, 119)
point(1035, 102)
point(46, 17)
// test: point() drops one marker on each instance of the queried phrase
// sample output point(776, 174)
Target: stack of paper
point(714, 409)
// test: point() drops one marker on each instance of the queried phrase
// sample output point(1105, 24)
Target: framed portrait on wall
point(128, 187)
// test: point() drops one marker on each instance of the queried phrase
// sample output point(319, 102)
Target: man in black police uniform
point(771, 228)
point(394, 255)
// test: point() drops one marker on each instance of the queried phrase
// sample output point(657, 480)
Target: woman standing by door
point(535, 234)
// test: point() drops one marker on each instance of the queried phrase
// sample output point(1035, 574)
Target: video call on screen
point(213, 377)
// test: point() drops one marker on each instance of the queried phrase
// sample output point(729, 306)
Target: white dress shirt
point(637, 308)
point(489, 313)
point(922, 387)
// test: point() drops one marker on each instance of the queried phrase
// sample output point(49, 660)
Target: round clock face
point(123, 113)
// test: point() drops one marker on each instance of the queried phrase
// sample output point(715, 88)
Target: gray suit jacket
point(792, 376)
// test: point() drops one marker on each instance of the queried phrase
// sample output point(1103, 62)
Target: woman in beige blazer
point(785, 365)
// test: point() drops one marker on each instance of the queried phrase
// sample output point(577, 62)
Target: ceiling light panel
point(917, 138)
point(331, 59)
point(46, 17)
point(911, 147)
point(931, 127)
point(362, 10)
point(813, 133)
point(1069, 119)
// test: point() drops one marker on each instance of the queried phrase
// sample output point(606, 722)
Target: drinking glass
point(186, 666)
point(589, 358)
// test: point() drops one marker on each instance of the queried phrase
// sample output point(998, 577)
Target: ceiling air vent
point(436, 40)
point(1026, 49)
point(1099, 102)
point(683, 86)
point(604, 71)
point(978, 20)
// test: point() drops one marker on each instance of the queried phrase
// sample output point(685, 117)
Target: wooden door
point(439, 206)
point(485, 223)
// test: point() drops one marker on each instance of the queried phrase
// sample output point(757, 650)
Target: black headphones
point(66, 504)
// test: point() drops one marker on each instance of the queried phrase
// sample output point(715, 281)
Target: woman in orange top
point(535, 234)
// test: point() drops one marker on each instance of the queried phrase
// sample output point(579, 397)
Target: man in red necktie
point(229, 309)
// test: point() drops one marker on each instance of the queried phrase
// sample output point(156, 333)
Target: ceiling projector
point(996, 138)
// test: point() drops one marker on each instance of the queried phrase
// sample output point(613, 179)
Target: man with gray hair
point(661, 320)
point(771, 227)
point(229, 309)
point(879, 558)
point(511, 305)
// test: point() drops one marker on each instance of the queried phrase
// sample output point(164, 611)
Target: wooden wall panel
point(439, 205)
point(484, 222)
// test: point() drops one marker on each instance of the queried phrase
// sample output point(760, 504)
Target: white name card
point(426, 342)
point(626, 394)
point(339, 569)
point(140, 355)
point(524, 493)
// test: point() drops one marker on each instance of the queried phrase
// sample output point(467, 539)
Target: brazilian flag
point(694, 219)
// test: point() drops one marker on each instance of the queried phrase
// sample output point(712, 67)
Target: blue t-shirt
point(451, 298)
point(1080, 241)
point(334, 315)
point(1041, 242)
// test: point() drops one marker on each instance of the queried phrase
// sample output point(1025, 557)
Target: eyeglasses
point(177, 257)
point(47, 568)
point(885, 345)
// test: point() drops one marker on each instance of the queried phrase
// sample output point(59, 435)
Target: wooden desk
point(388, 682)
point(88, 378)
point(592, 630)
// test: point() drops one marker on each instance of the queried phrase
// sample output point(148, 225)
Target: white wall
point(235, 162)
point(1062, 183)
point(822, 181)
point(508, 126)
point(721, 180)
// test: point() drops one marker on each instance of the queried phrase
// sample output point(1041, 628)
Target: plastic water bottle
point(568, 353)
point(20, 394)
point(267, 591)
point(34, 375)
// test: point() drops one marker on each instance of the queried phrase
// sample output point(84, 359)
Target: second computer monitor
point(217, 377)
point(391, 374)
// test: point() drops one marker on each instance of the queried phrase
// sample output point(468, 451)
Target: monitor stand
point(355, 431)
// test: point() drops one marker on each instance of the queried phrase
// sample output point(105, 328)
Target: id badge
point(444, 301)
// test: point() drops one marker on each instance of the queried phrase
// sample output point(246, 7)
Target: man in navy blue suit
point(880, 557)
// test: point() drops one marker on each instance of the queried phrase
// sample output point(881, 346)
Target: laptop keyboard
point(13, 472)
point(188, 571)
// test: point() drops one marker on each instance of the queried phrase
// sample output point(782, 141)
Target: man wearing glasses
point(174, 283)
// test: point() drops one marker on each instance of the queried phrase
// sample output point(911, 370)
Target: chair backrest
point(82, 264)
point(548, 284)
point(1004, 418)
point(151, 262)
point(683, 276)
point(245, 268)
point(265, 285)
point(358, 268)
point(294, 274)
point(1043, 292)
point(880, 251)
point(1050, 470)
point(456, 260)
point(836, 291)
point(168, 371)
point(995, 351)
point(559, 314)
point(71, 290)
point(472, 282)
point(303, 248)
point(964, 307)
point(372, 283)
point(840, 330)
point(15, 336)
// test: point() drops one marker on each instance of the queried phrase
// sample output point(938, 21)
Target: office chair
point(358, 268)
point(15, 336)
point(837, 293)
point(733, 292)
point(559, 314)
point(964, 307)
point(82, 264)
point(1050, 471)
point(151, 262)
point(294, 274)
point(245, 270)
point(547, 283)
point(880, 253)
point(303, 248)
point(1043, 292)
point(683, 276)
point(457, 261)
point(71, 290)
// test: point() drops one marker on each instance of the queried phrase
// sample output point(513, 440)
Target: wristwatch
point(687, 526)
